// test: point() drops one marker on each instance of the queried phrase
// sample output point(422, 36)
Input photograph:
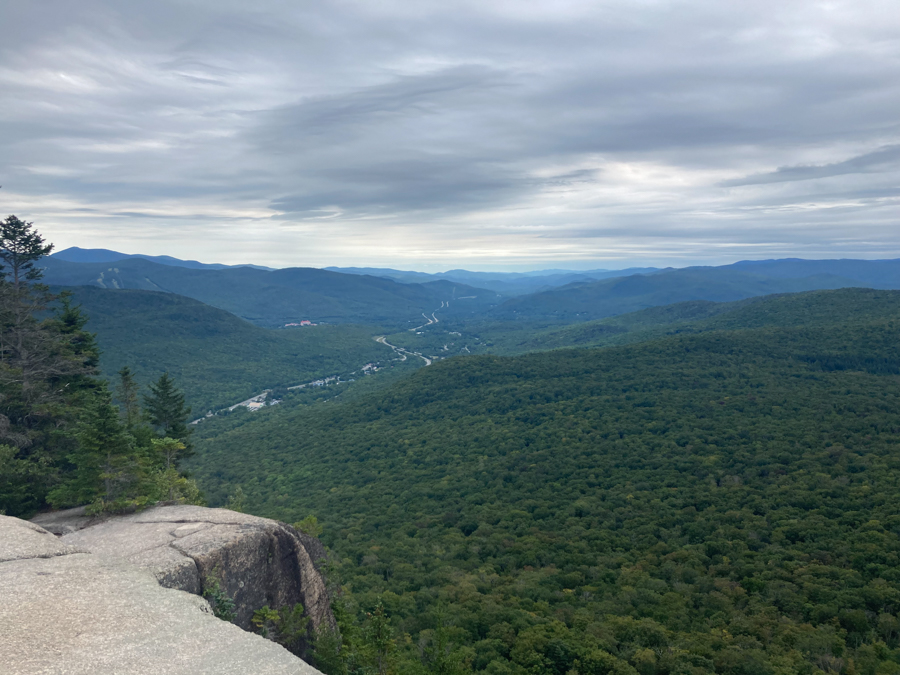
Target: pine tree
point(127, 394)
point(107, 468)
point(167, 412)
point(20, 247)
point(79, 355)
point(48, 370)
point(132, 417)
point(24, 345)
point(170, 484)
point(70, 323)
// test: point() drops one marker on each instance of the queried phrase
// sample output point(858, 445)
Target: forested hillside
point(218, 358)
point(792, 309)
point(723, 501)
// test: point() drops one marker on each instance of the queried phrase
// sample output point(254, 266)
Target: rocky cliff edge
point(123, 594)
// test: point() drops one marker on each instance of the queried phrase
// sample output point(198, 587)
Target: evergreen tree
point(76, 349)
point(167, 412)
point(61, 439)
point(23, 345)
point(20, 247)
point(106, 467)
point(70, 322)
point(127, 395)
point(47, 368)
point(130, 409)
point(169, 483)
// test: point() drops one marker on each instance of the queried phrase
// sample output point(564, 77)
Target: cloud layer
point(448, 134)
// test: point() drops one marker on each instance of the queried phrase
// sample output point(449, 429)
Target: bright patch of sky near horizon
point(432, 135)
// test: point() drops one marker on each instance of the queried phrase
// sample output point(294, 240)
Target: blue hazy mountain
point(583, 301)
point(104, 255)
point(397, 298)
point(505, 283)
point(277, 297)
point(872, 273)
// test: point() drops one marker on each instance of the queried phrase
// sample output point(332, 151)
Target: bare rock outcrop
point(22, 540)
point(255, 561)
point(67, 612)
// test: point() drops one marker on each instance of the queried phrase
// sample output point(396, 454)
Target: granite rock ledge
point(64, 611)
point(256, 561)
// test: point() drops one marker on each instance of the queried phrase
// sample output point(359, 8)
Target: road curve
point(402, 352)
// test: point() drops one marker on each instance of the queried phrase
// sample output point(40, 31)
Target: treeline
point(63, 440)
point(720, 502)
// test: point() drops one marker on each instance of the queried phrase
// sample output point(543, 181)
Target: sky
point(435, 135)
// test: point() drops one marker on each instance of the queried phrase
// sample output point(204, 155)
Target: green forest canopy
point(724, 501)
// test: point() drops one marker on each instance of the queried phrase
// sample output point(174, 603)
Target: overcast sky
point(431, 135)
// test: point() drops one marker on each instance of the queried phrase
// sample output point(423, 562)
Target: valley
point(671, 472)
point(402, 352)
point(220, 358)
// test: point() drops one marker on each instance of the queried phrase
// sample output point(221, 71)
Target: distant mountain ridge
point(408, 299)
point(609, 297)
point(875, 273)
point(275, 297)
point(505, 283)
point(105, 255)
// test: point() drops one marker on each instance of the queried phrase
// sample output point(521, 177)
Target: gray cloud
point(880, 161)
point(459, 133)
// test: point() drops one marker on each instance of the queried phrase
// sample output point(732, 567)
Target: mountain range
point(407, 299)
point(278, 297)
point(707, 484)
point(104, 255)
point(504, 283)
point(609, 297)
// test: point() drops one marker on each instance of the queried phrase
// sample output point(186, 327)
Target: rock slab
point(22, 540)
point(255, 561)
point(64, 612)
